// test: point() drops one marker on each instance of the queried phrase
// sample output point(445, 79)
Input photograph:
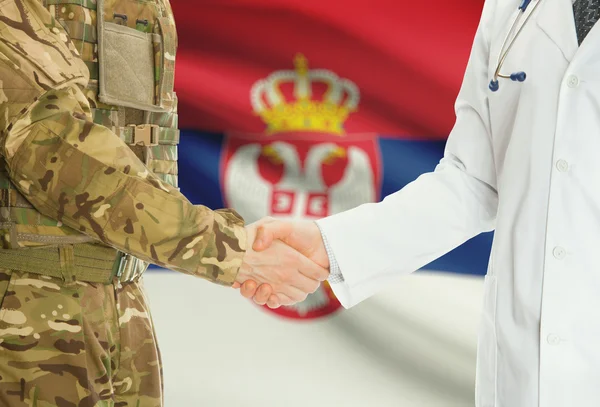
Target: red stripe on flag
point(407, 58)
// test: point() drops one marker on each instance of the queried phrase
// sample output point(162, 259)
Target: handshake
point(284, 262)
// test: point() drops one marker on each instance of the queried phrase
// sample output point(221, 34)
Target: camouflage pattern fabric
point(76, 345)
point(80, 173)
point(70, 178)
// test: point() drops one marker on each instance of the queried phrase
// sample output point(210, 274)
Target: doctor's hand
point(304, 236)
point(285, 272)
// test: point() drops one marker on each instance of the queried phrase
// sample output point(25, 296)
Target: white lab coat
point(524, 161)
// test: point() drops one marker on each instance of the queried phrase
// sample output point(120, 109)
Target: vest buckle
point(128, 268)
point(144, 134)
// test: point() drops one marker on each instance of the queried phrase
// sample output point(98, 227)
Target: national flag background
point(412, 345)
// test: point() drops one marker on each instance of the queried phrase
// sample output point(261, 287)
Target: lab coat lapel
point(555, 18)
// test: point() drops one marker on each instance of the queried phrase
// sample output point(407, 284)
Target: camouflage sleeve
point(81, 173)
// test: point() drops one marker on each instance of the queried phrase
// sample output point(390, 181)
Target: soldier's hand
point(261, 295)
point(290, 275)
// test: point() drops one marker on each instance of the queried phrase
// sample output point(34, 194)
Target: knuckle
point(315, 273)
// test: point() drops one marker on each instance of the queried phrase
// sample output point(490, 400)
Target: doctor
point(524, 159)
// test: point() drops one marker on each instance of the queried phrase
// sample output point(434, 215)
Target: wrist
point(335, 273)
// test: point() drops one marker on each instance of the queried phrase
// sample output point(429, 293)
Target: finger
point(236, 285)
point(249, 288)
point(310, 269)
point(274, 302)
point(263, 293)
point(285, 300)
point(293, 293)
point(270, 231)
point(303, 283)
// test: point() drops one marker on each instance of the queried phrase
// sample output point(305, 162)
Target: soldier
point(88, 197)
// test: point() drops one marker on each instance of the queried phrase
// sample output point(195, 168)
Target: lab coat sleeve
point(374, 243)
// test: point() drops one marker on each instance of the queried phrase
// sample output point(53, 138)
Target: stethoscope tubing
point(505, 49)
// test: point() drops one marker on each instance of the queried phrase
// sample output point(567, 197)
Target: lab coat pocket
point(485, 376)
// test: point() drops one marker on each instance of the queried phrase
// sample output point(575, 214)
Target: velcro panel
point(126, 67)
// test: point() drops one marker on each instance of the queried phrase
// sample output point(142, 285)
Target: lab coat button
point(562, 165)
point(559, 252)
point(572, 81)
point(553, 339)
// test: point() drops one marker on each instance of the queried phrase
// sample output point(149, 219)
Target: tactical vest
point(129, 48)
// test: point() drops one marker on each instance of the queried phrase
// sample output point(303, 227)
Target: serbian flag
point(300, 109)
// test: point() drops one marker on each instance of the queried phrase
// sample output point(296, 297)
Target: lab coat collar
point(556, 19)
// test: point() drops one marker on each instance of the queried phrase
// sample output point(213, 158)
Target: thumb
point(268, 232)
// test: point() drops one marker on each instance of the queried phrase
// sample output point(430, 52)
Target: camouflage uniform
point(88, 135)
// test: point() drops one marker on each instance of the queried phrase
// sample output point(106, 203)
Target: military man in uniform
point(88, 197)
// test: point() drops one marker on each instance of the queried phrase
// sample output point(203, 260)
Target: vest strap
point(148, 135)
point(86, 262)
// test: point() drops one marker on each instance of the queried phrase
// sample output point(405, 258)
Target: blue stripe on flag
point(199, 158)
point(402, 162)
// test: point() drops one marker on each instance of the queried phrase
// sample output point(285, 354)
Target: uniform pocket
point(37, 309)
point(126, 67)
point(485, 376)
point(134, 56)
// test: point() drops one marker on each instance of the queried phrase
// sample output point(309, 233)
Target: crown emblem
point(303, 113)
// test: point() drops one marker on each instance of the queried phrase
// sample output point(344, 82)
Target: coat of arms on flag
point(304, 165)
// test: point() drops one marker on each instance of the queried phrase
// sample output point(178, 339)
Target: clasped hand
point(284, 262)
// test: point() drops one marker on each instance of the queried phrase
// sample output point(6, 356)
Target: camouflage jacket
point(80, 173)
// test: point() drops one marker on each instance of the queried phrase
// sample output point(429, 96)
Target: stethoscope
point(506, 46)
